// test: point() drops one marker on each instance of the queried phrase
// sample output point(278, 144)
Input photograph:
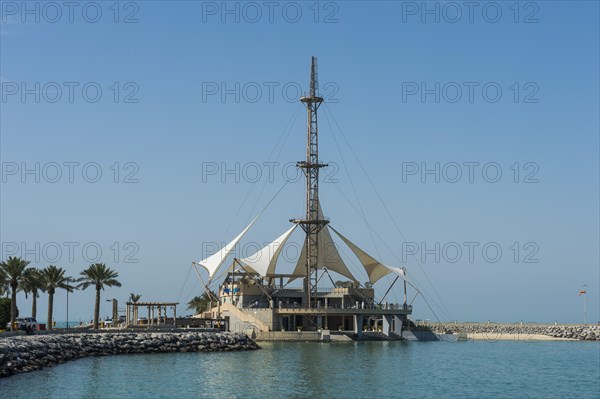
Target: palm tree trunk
point(50, 306)
point(13, 306)
point(34, 305)
point(97, 308)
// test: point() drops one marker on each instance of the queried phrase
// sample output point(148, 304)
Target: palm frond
point(98, 274)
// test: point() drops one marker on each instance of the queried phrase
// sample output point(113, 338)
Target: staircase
point(242, 317)
point(362, 296)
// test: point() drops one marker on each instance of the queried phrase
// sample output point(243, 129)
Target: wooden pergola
point(157, 313)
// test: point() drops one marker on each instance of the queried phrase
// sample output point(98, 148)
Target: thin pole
point(404, 286)
point(246, 270)
point(415, 297)
point(115, 311)
point(388, 290)
point(67, 309)
point(202, 281)
point(584, 310)
point(584, 304)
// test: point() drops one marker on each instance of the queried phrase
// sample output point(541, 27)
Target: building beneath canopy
point(246, 303)
point(255, 296)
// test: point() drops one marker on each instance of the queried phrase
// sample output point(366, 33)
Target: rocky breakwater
point(587, 332)
point(27, 353)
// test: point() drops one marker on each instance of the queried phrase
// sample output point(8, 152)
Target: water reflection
point(335, 370)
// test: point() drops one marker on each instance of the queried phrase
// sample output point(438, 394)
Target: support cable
point(443, 307)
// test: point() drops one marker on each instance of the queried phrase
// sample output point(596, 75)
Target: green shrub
point(5, 312)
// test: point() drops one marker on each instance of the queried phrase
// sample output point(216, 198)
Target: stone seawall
point(27, 353)
point(582, 332)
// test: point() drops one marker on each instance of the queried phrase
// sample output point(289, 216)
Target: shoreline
point(516, 337)
point(519, 331)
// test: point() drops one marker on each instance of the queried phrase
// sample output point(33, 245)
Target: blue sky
point(185, 88)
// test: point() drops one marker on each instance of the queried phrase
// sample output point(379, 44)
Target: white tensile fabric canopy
point(399, 272)
point(374, 268)
point(329, 257)
point(263, 262)
point(213, 262)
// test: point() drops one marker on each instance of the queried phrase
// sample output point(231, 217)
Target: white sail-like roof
point(398, 271)
point(213, 262)
point(263, 262)
point(329, 257)
point(374, 268)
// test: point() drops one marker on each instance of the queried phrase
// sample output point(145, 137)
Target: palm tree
point(134, 297)
point(99, 276)
point(52, 278)
point(13, 270)
point(200, 303)
point(31, 284)
point(3, 282)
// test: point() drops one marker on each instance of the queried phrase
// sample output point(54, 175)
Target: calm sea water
point(477, 369)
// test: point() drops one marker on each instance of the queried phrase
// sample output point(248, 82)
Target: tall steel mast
point(311, 224)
